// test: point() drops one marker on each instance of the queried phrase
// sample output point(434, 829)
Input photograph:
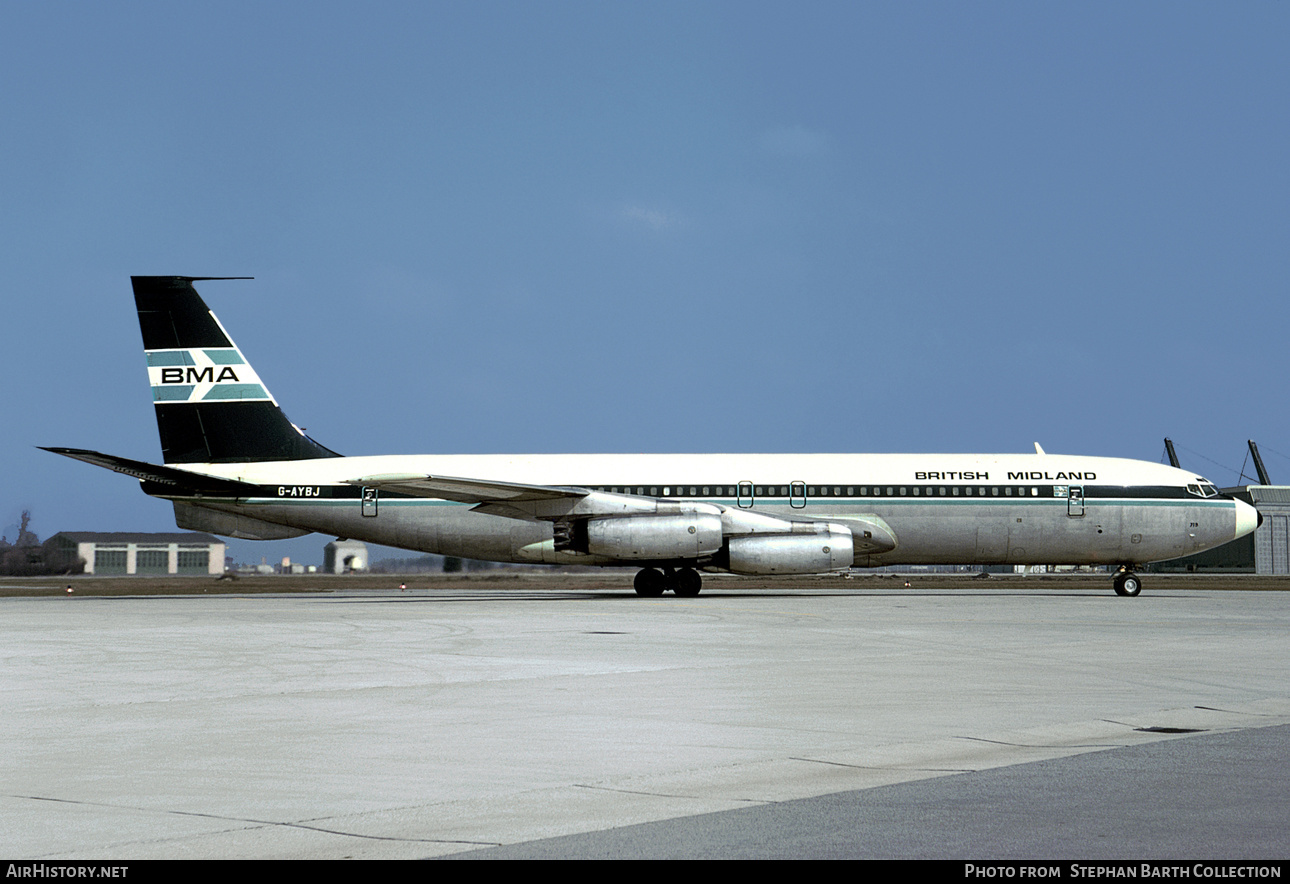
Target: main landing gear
point(1126, 582)
point(652, 583)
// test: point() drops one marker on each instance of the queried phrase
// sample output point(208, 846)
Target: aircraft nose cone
point(1247, 518)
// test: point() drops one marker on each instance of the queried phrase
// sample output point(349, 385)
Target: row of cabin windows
point(797, 490)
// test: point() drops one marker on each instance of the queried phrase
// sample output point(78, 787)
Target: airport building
point(115, 552)
point(345, 556)
point(1271, 541)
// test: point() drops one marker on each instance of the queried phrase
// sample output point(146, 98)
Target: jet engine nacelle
point(656, 537)
point(200, 518)
point(831, 548)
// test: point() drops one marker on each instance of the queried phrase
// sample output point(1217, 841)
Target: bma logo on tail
point(203, 375)
point(197, 375)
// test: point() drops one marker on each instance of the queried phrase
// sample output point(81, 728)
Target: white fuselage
point(935, 508)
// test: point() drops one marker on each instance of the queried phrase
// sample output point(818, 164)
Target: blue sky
point(546, 227)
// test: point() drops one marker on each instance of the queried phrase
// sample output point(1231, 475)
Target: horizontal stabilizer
point(184, 482)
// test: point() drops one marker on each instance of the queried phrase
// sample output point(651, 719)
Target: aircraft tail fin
point(211, 405)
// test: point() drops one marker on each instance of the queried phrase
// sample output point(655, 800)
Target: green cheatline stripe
point(354, 501)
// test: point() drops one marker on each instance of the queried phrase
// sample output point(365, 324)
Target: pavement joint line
point(254, 822)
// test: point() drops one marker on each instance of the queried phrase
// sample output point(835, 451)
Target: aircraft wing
point(477, 491)
point(514, 500)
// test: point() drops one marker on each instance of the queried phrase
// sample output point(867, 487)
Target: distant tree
point(28, 557)
point(451, 564)
point(25, 537)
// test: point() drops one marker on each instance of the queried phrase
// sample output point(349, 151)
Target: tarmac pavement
point(988, 723)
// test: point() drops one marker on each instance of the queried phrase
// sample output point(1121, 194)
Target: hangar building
point(1272, 540)
point(118, 552)
point(344, 556)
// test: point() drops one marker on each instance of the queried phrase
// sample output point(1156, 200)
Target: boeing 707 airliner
point(235, 465)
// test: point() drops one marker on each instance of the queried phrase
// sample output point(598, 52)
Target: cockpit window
point(1202, 489)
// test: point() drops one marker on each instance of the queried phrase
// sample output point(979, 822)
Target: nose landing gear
point(1126, 582)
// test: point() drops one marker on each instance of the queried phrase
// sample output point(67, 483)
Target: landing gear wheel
point(650, 583)
point(1127, 584)
point(687, 583)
